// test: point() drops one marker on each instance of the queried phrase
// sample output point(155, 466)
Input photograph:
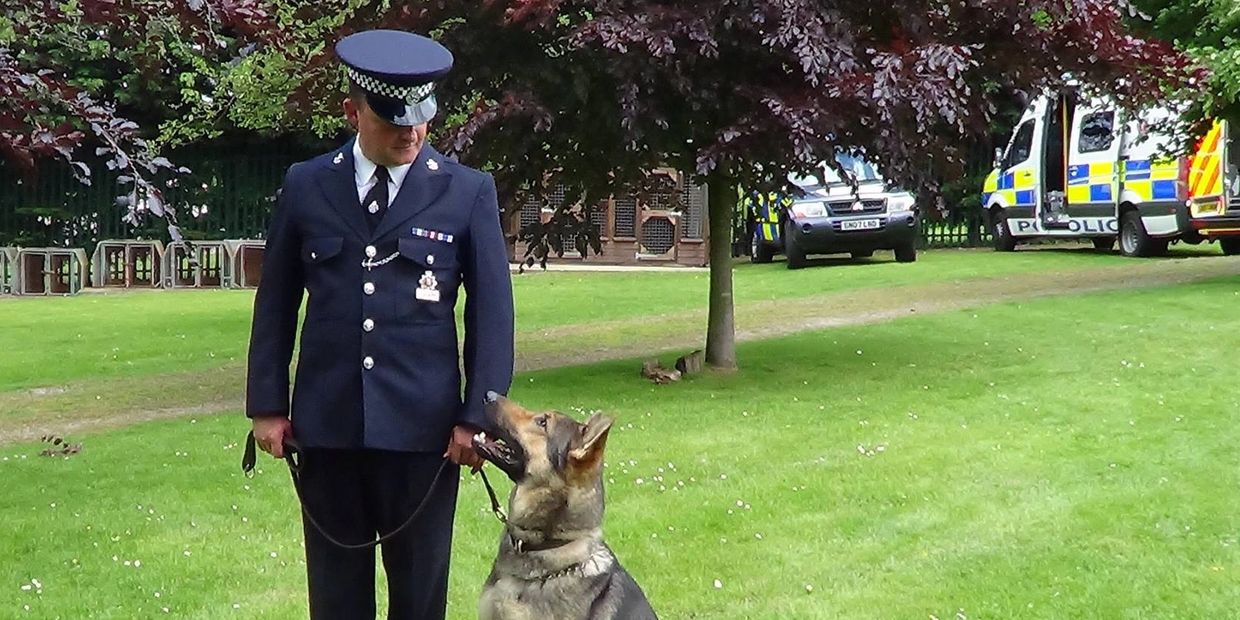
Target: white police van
point(1077, 168)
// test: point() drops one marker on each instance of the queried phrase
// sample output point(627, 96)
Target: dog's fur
point(552, 562)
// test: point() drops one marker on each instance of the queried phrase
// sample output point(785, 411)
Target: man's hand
point(461, 448)
point(269, 433)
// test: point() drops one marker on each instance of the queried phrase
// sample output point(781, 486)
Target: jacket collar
point(364, 169)
point(425, 181)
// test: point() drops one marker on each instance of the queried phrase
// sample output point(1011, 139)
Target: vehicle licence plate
point(860, 224)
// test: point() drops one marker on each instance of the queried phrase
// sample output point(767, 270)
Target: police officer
point(381, 233)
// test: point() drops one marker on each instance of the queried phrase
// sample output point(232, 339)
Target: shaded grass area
point(1061, 458)
point(62, 340)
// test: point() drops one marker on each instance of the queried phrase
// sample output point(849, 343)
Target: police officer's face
point(382, 142)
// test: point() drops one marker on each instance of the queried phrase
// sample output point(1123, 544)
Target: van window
point(1022, 145)
point(1097, 132)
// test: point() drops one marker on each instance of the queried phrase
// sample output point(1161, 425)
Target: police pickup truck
point(829, 214)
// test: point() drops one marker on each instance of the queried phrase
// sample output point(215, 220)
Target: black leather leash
point(249, 460)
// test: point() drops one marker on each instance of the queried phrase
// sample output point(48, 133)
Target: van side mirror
point(998, 156)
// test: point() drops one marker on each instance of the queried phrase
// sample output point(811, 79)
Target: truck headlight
point(901, 202)
point(809, 209)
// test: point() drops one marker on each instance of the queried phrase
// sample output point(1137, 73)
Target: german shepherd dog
point(552, 562)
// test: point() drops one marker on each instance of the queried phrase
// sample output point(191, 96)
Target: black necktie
point(376, 201)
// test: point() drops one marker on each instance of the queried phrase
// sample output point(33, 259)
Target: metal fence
point(968, 232)
point(228, 195)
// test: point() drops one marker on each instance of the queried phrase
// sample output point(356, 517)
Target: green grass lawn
point(62, 340)
point(1062, 458)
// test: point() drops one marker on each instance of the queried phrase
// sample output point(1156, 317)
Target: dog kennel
point(197, 264)
point(8, 270)
point(127, 263)
point(51, 271)
point(247, 261)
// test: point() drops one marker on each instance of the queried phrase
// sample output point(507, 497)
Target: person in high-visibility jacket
point(765, 212)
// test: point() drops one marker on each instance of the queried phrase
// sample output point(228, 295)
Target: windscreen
point(856, 167)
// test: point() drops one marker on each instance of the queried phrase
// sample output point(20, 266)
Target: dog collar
point(521, 546)
point(572, 569)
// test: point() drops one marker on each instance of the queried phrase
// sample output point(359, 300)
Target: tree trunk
point(721, 323)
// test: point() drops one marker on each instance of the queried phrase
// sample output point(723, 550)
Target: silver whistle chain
point(370, 263)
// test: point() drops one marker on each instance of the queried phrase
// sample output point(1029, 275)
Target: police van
point(1083, 168)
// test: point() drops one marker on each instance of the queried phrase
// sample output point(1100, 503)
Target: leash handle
point(249, 456)
point(292, 450)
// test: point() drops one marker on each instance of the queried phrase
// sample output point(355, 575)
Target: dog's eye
point(541, 421)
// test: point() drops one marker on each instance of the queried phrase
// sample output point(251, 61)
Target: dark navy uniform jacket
point(378, 366)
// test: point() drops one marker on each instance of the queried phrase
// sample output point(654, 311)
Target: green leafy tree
point(75, 74)
point(1209, 32)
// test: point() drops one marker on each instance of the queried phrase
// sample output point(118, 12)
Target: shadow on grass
point(831, 260)
point(1176, 252)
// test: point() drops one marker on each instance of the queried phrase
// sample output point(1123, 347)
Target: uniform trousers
point(359, 494)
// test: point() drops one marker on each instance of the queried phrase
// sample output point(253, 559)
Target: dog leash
point(249, 460)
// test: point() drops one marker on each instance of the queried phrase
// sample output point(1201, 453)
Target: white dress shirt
point(364, 174)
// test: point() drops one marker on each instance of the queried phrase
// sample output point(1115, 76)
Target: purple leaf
point(155, 202)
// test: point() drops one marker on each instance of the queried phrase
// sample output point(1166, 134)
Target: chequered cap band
point(409, 94)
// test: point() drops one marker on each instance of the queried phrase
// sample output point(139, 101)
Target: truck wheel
point(1134, 241)
point(760, 252)
point(793, 250)
point(906, 253)
point(862, 254)
point(1231, 245)
point(1004, 240)
point(1104, 244)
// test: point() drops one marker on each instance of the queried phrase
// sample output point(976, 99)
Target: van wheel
point(1104, 244)
point(1004, 240)
point(1231, 245)
point(760, 252)
point(906, 253)
point(1134, 241)
point(792, 249)
point(863, 254)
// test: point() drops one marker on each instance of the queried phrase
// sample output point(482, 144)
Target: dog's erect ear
point(587, 449)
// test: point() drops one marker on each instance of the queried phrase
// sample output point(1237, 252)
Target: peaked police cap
point(397, 70)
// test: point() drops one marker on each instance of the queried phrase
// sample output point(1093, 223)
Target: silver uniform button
point(430, 259)
point(368, 288)
point(314, 255)
point(371, 251)
point(368, 325)
point(368, 362)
